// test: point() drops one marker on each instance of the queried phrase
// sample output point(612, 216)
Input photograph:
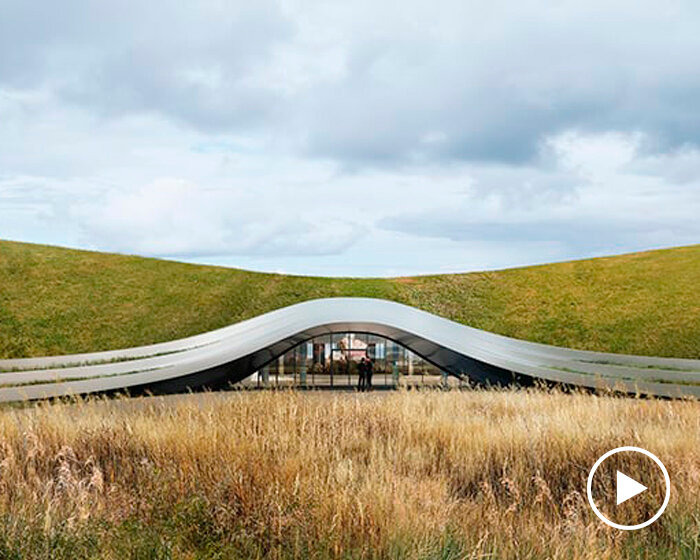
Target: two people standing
point(365, 369)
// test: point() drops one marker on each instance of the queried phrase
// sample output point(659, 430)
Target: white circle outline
point(646, 523)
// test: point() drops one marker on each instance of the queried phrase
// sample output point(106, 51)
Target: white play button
point(627, 488)
point(633, 460)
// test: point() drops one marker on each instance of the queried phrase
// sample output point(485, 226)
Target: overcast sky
point(353, 138)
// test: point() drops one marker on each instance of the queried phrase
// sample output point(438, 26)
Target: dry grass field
point(408, 474)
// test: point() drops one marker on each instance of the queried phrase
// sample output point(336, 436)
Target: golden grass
point(478, 474)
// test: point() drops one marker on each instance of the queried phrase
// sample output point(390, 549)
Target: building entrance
point(332, 361)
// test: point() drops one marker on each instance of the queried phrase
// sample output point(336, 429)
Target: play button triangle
point(627, 488)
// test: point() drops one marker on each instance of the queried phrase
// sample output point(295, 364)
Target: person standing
point(369, 370)
point(362, 374)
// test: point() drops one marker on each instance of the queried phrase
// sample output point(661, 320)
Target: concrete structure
point(219, 358)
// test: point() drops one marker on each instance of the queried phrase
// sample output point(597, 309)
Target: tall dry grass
point(482, 474)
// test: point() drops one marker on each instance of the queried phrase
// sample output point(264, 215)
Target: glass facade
point(332, 360)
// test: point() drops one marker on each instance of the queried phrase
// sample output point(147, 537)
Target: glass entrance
point(333, 360)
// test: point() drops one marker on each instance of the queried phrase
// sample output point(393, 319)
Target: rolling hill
point(59, 301)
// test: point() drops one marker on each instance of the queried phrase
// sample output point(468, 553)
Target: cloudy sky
point(353, 138)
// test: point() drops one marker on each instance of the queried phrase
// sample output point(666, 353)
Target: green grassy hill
point(57, 301)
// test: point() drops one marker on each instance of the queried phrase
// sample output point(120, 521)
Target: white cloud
point(359, 138)
point(592, 198)
point(173, 217)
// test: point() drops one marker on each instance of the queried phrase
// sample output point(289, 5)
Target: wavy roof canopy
point(230, 354)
